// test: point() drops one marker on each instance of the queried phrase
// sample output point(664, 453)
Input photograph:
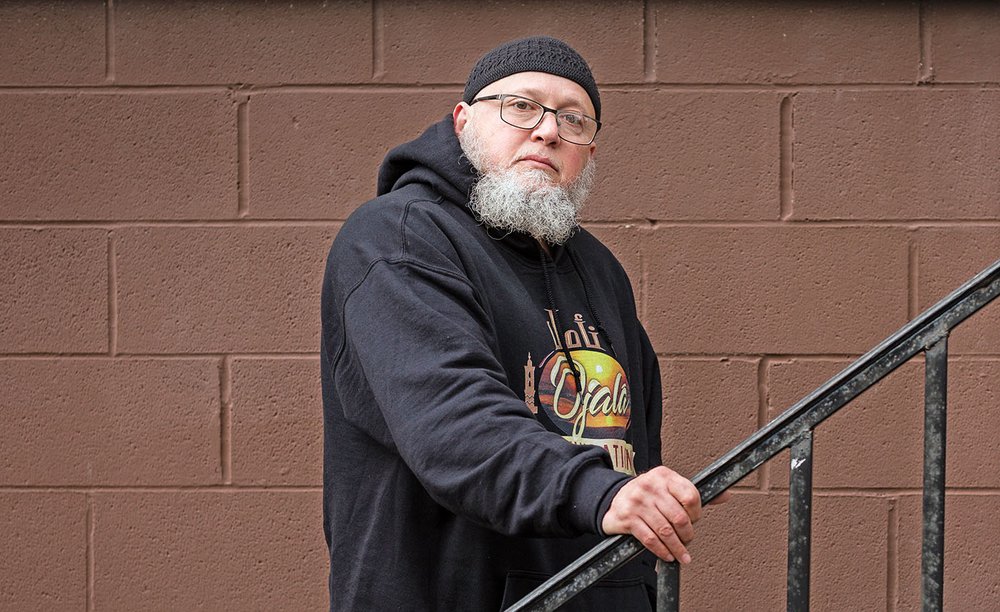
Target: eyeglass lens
point(524, 113)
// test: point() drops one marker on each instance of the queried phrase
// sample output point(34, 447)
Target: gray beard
point(526, 201)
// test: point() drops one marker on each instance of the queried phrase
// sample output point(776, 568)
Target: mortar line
point(215, 488)
point(820, 357)
point(892, 558)
point(118, 89)
point(451, 88)
point(196, 223)
point(644, 222)
point(914, 491)
point(109, 41)
point(925, 74)
point(226, 419)
point(311, 355)
point(112, 295)
point(90, 552)
point(649, 46)
point(243, 158)
point(913, 277)
point(763, 397)
point(378, 40)
point(865, 492)
point(786, 160)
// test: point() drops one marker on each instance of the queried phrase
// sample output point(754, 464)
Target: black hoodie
point(452, 481)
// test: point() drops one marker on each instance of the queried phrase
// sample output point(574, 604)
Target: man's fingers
point(687, 496)
point(677, 519)
point(659, 508)
point(662, 541)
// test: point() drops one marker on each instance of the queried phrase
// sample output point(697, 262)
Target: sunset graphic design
point(597, 408)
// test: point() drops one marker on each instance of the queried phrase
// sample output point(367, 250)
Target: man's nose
point(547, 129)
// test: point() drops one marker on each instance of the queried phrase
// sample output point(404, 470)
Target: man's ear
point(460, 116)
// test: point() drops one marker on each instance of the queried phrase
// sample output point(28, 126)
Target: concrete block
point(738, 555)
point(849, 548)
point(774, 290)
point(124, 156)
point(625, 241)
point(44, 566)
point(687, 155)
point(81, 422)
point(52, 43)
point(897, 155)
point(239, 42)
point(946, 259)
point(277, 433)
point(220, 289)
point(213, 550)
point(973, 451)
point(317, 155)
point(54, 290)
point(709, 406)
point(971, 548)
point(965, 41)
point(874, 442)
point(780, 42)
point(608, 36)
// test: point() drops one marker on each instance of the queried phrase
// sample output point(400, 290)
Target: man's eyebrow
point(534, 94)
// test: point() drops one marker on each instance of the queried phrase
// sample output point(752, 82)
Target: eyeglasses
point(524, 113)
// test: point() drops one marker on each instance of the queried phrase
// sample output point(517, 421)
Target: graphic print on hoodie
point(588, 404)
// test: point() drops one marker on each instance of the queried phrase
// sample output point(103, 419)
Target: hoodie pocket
point(627, 595)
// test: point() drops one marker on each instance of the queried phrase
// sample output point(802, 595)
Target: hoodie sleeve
point(654, 399)
point(419, 337)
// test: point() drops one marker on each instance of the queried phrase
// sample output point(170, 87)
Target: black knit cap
point(533, 54)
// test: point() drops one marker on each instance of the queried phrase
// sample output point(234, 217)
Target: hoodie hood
point(435, 158)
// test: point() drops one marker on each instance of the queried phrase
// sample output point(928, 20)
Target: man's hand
point(660, 509)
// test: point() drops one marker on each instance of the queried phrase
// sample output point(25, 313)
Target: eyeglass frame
point(545, 109)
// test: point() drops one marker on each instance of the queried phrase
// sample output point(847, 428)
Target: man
point(491, 401)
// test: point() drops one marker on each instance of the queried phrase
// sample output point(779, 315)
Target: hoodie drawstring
point(590, 303)
point(555, 313)
point(550, 295)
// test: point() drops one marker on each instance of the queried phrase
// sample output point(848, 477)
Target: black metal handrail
point(793, 428)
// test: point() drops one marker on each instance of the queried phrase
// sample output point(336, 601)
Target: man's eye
point(574, 120)
point(522, 105)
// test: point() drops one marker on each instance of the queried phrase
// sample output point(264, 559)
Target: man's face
point(506, 146)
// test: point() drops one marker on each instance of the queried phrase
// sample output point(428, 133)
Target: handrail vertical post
point(668, 586)
point(800, 522)
point(935, 425)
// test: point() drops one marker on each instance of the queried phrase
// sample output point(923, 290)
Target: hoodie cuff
point(592, 495)
point(605, 505)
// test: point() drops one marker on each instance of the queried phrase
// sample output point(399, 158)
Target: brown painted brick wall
point(248, 549)
point(110, 422)
point(785, 183)
point(54, 290)
point(316, 155)
point(58, 43)
point(85, 156)
point(243, 42)
point(785, 42)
